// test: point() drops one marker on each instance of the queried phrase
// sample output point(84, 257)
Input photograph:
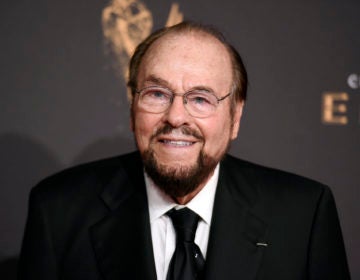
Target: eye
point(156, 94)
point(201, 99)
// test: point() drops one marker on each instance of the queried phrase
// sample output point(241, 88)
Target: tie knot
point(185, 223)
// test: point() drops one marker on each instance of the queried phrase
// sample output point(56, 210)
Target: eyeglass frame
point(184, 97)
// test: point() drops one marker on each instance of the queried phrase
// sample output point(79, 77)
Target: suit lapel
point(122, 240)
point(233, 252)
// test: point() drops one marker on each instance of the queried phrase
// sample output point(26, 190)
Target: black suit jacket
point(91, 222)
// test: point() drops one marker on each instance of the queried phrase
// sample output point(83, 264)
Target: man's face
point(177, 141)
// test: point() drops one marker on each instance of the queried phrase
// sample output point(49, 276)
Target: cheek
point(144, 125)
point(216, 133)
point(142, 128)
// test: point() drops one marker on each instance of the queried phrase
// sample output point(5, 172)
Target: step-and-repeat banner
point(63, 96)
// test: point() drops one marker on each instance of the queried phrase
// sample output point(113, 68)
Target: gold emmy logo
point(126, 23)
point(340, 108)
point(334, 108)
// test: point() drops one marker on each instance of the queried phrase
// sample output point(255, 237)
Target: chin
point(178, 178)
point(177, 163)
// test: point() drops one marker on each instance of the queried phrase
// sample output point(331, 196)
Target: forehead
point(187, 60)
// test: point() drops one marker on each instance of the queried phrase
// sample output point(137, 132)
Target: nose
point(177, 114)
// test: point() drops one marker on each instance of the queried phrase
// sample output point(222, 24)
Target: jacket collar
point(122, 240)
point(237, 235)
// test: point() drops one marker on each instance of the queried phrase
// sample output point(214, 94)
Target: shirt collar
point(202, 204)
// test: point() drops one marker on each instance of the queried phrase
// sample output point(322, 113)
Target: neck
point(188, 197)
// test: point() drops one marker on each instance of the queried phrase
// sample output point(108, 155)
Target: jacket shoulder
point(85, 178)
point(269, 179)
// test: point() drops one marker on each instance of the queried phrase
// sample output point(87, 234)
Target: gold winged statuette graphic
point(128, 22)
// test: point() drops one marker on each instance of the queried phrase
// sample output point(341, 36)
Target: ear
point(132, 121)
point(131, 124)
point(131, 104)
point(237, 119)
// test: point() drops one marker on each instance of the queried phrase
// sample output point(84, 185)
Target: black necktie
point(187, 262)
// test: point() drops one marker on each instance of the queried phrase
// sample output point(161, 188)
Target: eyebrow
point(152, 79)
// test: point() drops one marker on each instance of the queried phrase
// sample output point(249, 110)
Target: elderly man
point(180, 207)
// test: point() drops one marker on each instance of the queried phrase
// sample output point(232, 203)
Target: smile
point(179, 143)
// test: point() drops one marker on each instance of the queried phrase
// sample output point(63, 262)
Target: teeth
point(177, 143)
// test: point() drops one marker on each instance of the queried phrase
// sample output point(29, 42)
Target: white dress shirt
point(162, 230)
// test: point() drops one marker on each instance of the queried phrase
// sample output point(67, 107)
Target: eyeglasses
point(199, 103)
